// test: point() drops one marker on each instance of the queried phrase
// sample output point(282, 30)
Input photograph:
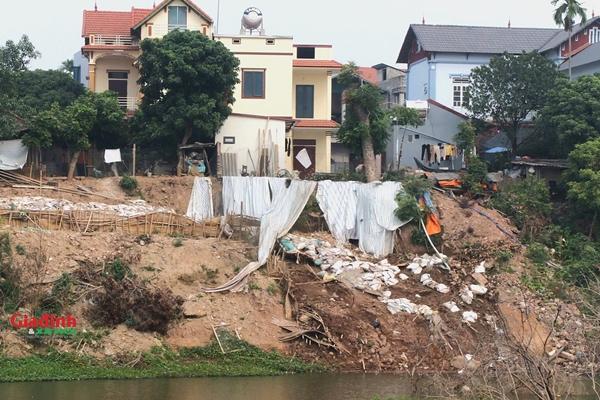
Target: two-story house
point(281, 117)
point(440, 59)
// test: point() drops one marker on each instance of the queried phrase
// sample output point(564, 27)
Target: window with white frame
point(177, 17)
point(460, 88)
point(594, 35)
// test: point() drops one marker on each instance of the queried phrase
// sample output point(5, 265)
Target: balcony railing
point(162, 30)
point(128, 103)
point(112, 40)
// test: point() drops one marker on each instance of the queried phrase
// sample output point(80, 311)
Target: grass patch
point(158, 363)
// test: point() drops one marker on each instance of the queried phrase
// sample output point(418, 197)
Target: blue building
point(440, 59)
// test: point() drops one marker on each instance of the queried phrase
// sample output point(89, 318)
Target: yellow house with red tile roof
point(282, 114)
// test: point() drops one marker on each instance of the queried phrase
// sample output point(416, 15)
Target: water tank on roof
point(252, 20)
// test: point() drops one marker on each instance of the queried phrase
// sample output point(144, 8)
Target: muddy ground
point(368, 337)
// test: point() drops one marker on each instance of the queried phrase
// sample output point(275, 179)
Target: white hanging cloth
point(200, 206)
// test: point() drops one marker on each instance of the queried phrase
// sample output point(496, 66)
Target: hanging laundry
point(425, 153)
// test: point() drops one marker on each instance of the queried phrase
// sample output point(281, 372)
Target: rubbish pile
point(34, 203)
point(375, 277)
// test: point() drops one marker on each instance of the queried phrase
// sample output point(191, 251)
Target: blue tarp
point(495, 150)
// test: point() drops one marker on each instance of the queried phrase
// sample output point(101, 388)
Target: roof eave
point(163, 4)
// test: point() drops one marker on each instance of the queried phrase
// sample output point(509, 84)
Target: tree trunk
point(513, 136)
point(180, 160)
point(401, 149)
point(73, 164)
point(369, 159)
point(593, 225)
point(368, 149)
point(570, 47)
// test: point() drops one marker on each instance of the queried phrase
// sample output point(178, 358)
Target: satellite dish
point(252, 19)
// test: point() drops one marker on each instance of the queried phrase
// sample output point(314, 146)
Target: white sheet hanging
point(200, 206)
point(376, 220)
point(276, 223)
point(13, 154)
point(247, 195)
point(355, 210)
point(338, 202)
point(112, 156)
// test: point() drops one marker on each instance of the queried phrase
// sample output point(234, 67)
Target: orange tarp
point(433, 225)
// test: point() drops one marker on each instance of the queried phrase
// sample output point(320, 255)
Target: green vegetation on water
point(245, 360)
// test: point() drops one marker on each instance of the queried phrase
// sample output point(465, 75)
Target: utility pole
point(218, 14)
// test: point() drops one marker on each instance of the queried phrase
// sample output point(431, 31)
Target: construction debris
point(36, 203)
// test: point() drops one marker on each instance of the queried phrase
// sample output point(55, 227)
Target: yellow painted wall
point(322, 151)
point(254, 53)
point(160, 22)
point(113, 63)
point(321, 53)
point(322, 83)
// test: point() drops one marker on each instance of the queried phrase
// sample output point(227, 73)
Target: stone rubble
point(342, 263)
point(36, 203)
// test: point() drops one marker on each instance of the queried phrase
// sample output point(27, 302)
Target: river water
point(293, 387)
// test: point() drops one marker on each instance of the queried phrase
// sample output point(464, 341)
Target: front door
point(305, 157)
point(117, 82)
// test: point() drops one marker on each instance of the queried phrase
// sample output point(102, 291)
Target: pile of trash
point(340, 263)
point(33, 203)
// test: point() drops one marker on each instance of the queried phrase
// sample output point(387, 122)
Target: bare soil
point(370, 338)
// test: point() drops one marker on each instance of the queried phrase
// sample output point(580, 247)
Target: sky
point(366, 32)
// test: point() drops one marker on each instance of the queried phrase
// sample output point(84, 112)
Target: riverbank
point(208, 361)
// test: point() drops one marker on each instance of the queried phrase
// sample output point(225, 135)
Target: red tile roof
point(310, 63)
point(316, 123)
point(368, 74)
point(112, 22)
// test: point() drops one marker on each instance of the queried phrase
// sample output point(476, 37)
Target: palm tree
point(565, 16)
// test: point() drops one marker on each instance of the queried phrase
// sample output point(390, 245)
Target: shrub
point(476, 175)
point(538, 253)
point(10, 277)
point(60, 296)
point(134, 303)
point(526, 202)
point(129, 184)
point(408, 208)
point(117, 269)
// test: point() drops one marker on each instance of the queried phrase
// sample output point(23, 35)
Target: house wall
point(440, 126)
point(323, 148)
point(322, 52)
point(417, 83)
point(321, 80)
point(160, 22)
point(81, 62)
point(250, 135)
point(115, 63)
point(580, 40)
point(588, 69)
point(254, 53)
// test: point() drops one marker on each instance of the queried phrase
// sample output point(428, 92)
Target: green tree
point(571, 115)
point(465, 138)
point(40, 88)
point(14, 60)
point(91, 118)
point(564, 16)
point(509, 89)
point(584, 179)
point(187, 81)
point(366, 126)
point(67, 66)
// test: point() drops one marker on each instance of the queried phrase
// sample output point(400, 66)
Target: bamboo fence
point(160, 223)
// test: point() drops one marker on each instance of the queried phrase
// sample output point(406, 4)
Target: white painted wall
point(250, 135)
